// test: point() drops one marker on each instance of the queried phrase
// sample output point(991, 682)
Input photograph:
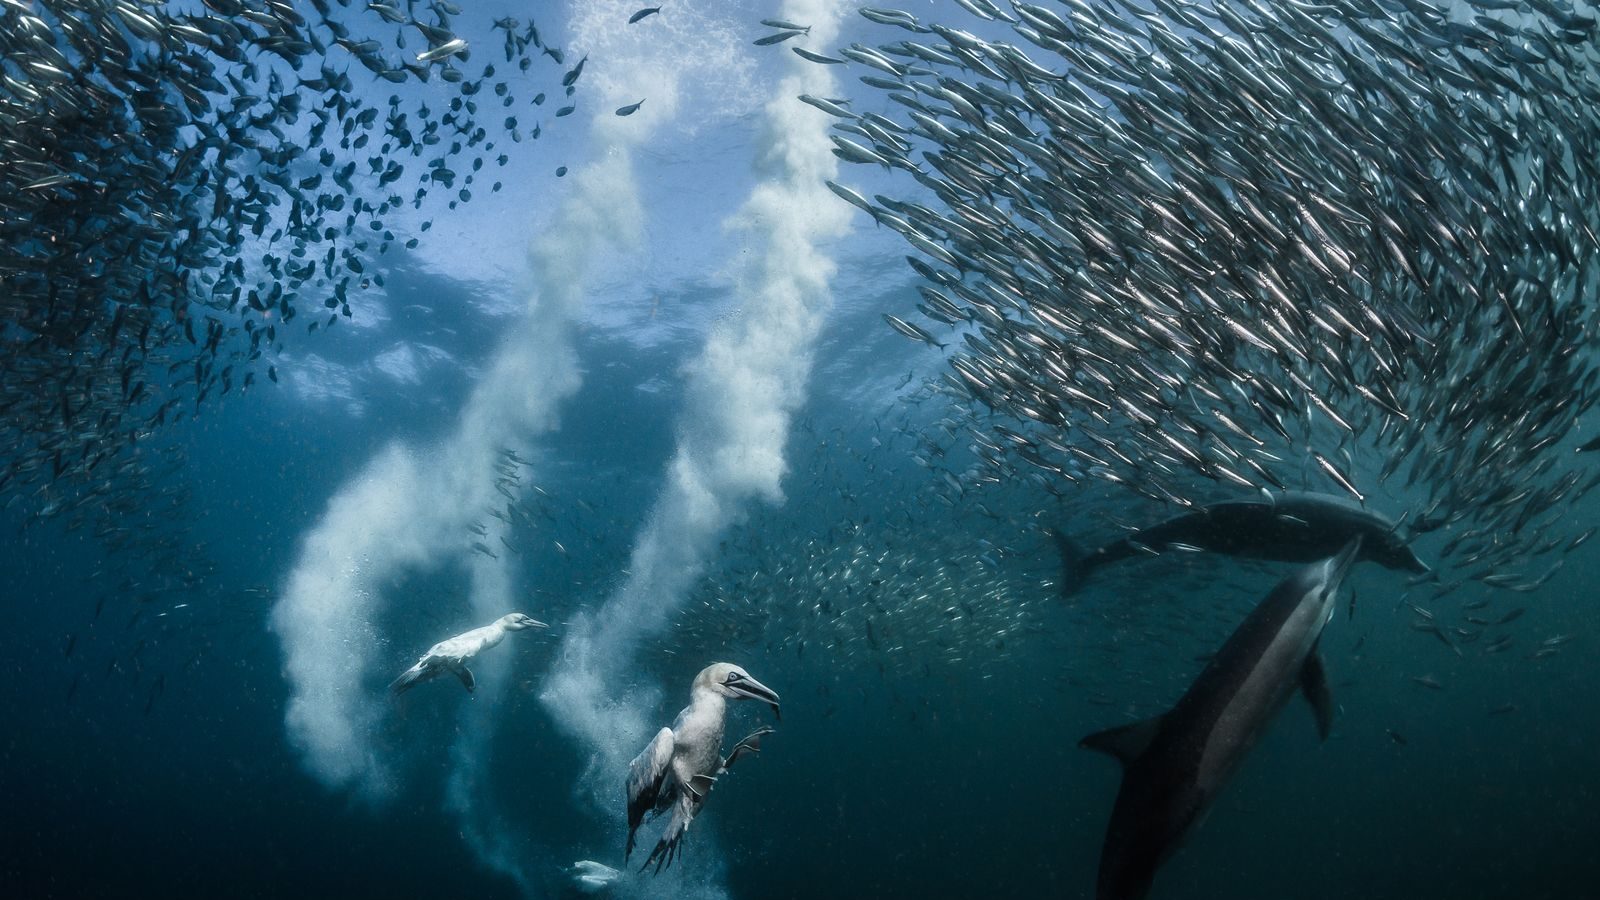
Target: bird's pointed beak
point(755, 690)
point(535, 623)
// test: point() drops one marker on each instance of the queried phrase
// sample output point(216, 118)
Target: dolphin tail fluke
point(1074, 562)
point(1314, 684)
point(1125, 742)
point(408, 679)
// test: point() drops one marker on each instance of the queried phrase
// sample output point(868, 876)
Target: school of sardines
point(1197, 249)
point(179, 190)
point(1263, 264)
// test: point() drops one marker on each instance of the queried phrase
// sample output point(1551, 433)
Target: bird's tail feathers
point(671, 842)
point(408, 679)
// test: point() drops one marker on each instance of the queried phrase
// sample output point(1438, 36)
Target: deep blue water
point(983, 793)
point(935, 685)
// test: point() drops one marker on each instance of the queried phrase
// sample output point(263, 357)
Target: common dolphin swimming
point(681, 763)
point(451, 654)
point(1291, 526)
point(1174, 764)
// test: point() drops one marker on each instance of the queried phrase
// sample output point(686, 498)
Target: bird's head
point(731, 681)
point(519, 621)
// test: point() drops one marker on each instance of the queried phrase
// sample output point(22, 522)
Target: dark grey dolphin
point(1292, 526)
point(1174, 764)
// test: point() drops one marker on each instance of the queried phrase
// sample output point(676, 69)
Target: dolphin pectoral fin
point(1125, 742)
point(465, 674)
point(1314, 684)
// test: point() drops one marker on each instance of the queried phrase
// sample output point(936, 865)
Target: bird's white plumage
point(451, 654)
point(681, 763)
point(592, 877)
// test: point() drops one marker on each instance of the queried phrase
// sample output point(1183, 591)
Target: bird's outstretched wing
point(646, 776)
point(411, 677)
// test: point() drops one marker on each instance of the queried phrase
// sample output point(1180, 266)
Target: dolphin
point(1291, 526)
point(1174, 764)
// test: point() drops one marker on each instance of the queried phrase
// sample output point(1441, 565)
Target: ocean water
point(672, 362)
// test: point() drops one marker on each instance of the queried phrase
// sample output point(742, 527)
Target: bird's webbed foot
point(750, 744)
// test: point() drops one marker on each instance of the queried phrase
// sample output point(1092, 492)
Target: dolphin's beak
point(755, 690)
point(1339, 566)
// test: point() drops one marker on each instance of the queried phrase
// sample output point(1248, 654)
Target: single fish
point(778, 38)
point(443, 51)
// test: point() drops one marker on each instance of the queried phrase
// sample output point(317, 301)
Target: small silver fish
point(447, 49)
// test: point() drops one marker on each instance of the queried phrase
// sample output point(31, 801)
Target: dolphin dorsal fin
point(1125, 742)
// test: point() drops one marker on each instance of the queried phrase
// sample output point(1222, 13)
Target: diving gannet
point(451, 654)
point(680, 765)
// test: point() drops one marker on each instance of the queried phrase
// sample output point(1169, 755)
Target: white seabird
point(679, 766)
point(451, 654)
